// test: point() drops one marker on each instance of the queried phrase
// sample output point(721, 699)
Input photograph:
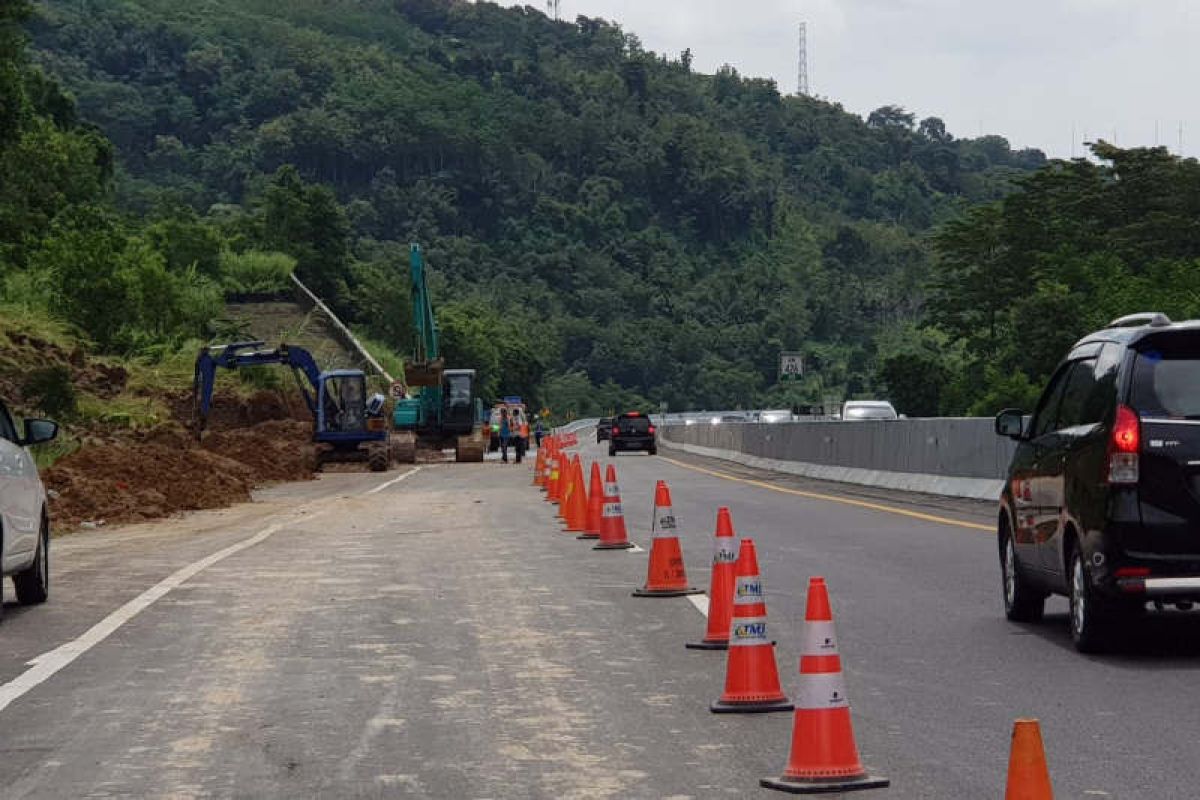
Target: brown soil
point(134, 477)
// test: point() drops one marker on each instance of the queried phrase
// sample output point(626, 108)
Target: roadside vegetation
point(607, 228)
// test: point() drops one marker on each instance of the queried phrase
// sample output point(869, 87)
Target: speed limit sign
point(399, 390)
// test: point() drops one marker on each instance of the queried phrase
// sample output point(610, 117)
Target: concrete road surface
point(434, 634)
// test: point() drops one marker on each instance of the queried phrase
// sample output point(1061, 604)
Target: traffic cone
point(824, 757)
point(1028, 777)
point(568, 487)
point(665, 573)
point(554, 485)
point(720, 593)
point(751, 676)
point(538, 464)
point(595, 505)
point(577, 507)
point(612, 519)
point(547, 467)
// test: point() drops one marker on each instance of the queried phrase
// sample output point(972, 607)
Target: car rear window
point(633, 424)
point(1166, 377)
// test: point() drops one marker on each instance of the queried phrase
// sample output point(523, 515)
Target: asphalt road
point(440, 637)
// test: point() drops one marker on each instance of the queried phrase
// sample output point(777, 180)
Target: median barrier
point(956, 457)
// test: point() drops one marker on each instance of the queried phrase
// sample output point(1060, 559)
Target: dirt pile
point(166, 470)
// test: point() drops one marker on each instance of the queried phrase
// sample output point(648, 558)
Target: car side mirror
point(38, 431)
point(1011, 423)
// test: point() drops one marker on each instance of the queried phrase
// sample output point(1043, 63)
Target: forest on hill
point(607, 227)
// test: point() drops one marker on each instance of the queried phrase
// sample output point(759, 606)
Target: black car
point(603, 428)
point(632, 431)
point(1102, 502)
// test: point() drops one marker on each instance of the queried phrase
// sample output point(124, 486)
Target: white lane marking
point(637, 549)
point(392, 482)
point(45, 666)
point(700, 601)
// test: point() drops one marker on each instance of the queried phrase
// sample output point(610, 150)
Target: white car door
point(20, 496)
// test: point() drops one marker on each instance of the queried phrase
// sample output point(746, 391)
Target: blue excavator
point(439, 409)
point(348, 425)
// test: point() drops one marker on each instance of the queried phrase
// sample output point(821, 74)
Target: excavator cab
point(344, 406)
point(458, 401)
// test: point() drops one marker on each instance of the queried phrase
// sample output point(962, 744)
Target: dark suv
point(632, 431)
point(603, 428)
point(1102, 502)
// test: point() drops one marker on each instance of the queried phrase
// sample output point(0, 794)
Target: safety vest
point(524, 431)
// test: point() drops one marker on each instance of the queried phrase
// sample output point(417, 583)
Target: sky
point(1049, 74)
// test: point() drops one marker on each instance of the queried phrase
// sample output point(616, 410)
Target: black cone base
point(767, 706)
point(588, 536)
point(796, 786)
point(666, 592)
point(707, 645)
point(621, 546)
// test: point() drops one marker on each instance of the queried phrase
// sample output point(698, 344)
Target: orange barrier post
point(1028, 776)
point(751, 675)
point(612, 518)
point(595, 505)
point(720, 592)
point(666, 575)
point(824, 757)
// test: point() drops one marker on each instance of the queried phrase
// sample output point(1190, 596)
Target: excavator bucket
point(424, 373)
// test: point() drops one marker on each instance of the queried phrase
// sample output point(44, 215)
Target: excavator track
point(403, 446)
point(468, 448)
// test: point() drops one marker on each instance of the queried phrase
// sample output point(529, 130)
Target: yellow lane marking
point(832, 498)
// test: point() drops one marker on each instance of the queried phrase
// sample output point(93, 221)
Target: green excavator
point(439, 409)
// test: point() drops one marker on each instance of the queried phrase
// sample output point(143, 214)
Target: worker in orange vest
point(520, 428)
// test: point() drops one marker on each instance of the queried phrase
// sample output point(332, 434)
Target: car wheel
point(1022, 602)
point(653, 451)
point(33, 583)
point(1089, 617)
point(612, 451)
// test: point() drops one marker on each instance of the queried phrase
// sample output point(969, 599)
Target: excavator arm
point(247, 354)
point(426, 365)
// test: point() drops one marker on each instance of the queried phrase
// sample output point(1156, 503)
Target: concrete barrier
point(956, 457)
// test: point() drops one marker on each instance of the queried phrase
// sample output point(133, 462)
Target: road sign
point(791, 366)
point(399, 390)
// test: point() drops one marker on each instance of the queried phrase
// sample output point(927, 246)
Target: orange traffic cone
point(665, 574)
point(751, 676)
point(568, 487)
point(612, 519)
point(720, 593)
point(577, 507)
point(547, 467)
point(824, 757)
point(1028, 777)
point(595, 505)
point(554, 486)
point(538, 464)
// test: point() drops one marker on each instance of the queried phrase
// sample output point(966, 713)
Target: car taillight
point(652, 429)
point(1132, 580)
point(1123, 447)
point(616, 430)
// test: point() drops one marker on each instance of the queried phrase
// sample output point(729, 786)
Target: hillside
point(606, 224)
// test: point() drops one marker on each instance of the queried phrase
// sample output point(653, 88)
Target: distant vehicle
point(603, 428)
point(868, 409)
point(1102, 501)
point(632, 431)
point(516, 410)
point(721, 419)
point(781, 415)
point(24, 517)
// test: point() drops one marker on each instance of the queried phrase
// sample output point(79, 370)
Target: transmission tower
point(802, 75)
point(552, 8)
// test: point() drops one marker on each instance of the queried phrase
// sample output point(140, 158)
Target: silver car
point(24, 518)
